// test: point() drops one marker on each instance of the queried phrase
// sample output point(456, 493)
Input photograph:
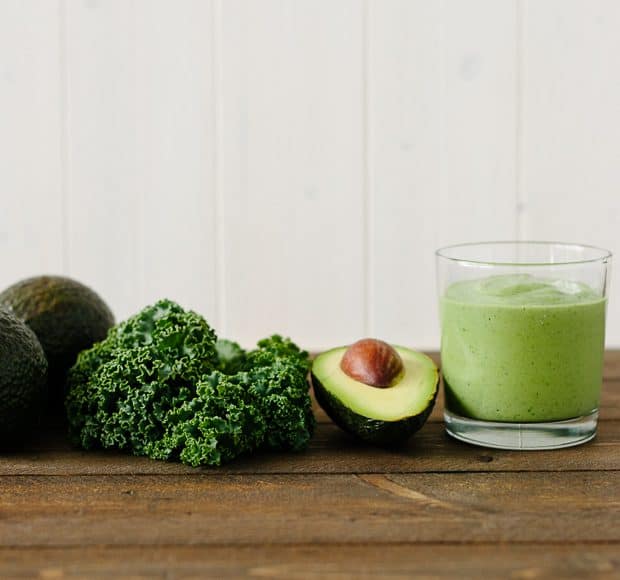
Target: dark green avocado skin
point(23, 380)
point(66, 316)
point(380, 433)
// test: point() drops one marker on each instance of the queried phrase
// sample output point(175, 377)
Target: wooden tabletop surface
point(437, 508)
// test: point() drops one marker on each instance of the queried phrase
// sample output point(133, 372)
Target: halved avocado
point(381, 416)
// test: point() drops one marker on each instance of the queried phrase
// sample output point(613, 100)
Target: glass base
point(524, 436)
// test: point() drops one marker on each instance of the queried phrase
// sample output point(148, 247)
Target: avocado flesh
point(383, 416)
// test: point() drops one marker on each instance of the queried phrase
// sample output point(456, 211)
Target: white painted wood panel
point(479, 121)
point(105, 186)
point(291, 165)
point(291, 170)
point(404, 124)
point(176, 151)
point(30, 140)
point(442, 157)
point(571, 127)
point(141, 117)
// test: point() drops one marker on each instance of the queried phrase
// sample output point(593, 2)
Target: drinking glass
point(522, 341)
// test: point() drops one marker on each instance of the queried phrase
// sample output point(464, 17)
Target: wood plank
point(176, 143)
point(403, 157)
point(105, 189)
point(286, 509)
point(571, 128)
point(442, 126)
point(141, 151)
point(333, 451)
point(610, 400)
point(31, 140)
point(290, 167)
point(479, 122)
point(315, 562)
point(611, 370)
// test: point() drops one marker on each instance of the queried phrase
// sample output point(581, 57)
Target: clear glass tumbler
point(522, 342)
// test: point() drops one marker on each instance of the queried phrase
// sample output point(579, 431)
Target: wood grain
point(288, 509)
point(310, 562)
point(339, 510)
point(611, 370)
point(332, 451)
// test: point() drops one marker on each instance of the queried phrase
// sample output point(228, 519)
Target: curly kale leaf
point(162, 385)
point(230, 355)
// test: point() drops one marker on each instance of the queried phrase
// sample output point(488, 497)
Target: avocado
point(354, 393)
point(23, 380)
point(66, 316)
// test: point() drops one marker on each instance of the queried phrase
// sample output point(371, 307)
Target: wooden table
point(438, 508)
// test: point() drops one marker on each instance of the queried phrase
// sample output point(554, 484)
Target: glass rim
point(604, 256)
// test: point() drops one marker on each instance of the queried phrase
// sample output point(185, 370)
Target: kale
point(162, 385)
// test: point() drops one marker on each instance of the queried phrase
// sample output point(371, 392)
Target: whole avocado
point(66, 316)
point(23, 380)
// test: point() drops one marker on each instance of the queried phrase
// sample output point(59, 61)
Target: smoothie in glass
point(517, 348)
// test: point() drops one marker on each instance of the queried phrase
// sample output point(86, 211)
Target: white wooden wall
point(291, 165)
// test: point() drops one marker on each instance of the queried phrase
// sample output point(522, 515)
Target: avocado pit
point(372, 362)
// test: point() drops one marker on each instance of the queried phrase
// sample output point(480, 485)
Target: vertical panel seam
point(139, 48)
point(219, 287)
point(367, 193)
point(439, 240)
point(519, 203)
point(65, 158)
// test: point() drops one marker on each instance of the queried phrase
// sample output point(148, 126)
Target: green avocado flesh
point(383, 416)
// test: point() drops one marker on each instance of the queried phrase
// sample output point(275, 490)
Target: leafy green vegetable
point(162, 385)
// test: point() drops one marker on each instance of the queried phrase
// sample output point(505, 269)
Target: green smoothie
point(517, 348)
